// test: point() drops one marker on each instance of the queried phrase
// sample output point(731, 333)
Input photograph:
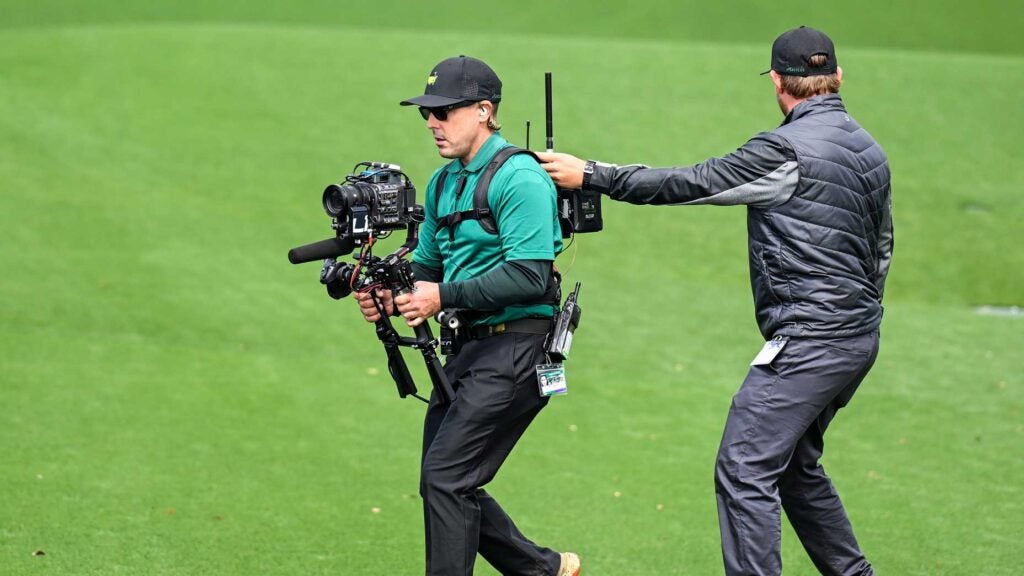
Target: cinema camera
point(369, 204)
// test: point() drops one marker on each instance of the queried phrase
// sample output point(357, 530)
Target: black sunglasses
point(441, 113)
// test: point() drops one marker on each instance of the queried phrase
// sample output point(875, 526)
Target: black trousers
point(769, 455)
point(464, 445)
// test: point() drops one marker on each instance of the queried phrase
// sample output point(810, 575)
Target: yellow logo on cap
point(432, 79)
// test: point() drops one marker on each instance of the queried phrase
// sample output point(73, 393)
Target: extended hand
point(417, 306)
point(565, 170)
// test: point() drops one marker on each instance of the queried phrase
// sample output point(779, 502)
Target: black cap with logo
point(793, 49)
point(458, 79)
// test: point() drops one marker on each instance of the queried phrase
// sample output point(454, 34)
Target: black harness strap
point(454, 218)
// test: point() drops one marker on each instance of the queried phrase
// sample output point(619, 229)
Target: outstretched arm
point(763, 172)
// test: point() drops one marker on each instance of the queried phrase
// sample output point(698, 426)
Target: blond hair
point(807, 86)
point(492, 122)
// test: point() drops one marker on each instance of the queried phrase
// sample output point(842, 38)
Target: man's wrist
point(600, 176)
point(588, 172)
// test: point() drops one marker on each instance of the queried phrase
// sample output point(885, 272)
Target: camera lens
point(334, 201)
point(338, 199)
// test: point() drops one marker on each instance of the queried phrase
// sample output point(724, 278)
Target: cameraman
point(819, 221)
point(503, 285)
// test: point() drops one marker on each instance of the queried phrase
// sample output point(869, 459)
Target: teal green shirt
point(522, 200)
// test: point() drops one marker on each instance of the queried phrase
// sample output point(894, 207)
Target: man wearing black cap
point(820, 241)
point(496, 268)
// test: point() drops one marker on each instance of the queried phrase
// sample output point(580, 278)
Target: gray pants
point(768, 458)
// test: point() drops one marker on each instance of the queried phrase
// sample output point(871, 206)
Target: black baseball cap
point(458, 79)
point(792, 50)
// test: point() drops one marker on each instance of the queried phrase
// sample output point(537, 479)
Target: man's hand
point(369, 309)
point(565, 170)
point(420, 305)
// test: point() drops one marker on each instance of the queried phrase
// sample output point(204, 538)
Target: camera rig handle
point(396, 363)
point(427, 345)
point(395, 273)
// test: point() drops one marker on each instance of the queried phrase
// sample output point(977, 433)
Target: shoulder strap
point(437, 189)
point(439, 186)
point(480, 205)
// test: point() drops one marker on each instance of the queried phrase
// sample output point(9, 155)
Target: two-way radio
point(566, 321)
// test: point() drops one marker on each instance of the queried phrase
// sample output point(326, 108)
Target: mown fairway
point(177, 399)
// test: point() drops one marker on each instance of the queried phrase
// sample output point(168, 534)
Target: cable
point(575, 249)
point(366, 250)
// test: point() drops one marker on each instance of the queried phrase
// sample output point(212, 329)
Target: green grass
point(982, 26)
point(175, 398)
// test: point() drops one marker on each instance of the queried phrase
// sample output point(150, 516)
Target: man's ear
point(777, 80)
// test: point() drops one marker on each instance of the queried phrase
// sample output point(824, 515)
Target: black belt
point(522, 326)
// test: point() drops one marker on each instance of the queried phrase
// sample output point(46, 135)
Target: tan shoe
point(570, 565)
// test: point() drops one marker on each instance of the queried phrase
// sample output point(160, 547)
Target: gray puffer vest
point(815, 262)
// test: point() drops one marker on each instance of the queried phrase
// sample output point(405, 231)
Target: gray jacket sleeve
point(885, 246)
point(762, 173)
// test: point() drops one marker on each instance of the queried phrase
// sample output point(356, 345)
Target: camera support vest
point(481, 209)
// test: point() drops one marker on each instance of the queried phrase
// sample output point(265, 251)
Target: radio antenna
point(547, 111)
point(527, 134)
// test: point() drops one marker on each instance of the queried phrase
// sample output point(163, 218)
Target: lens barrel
point(338, 199)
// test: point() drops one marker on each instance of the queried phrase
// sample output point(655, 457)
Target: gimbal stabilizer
point(393, 272)
point(370, 273)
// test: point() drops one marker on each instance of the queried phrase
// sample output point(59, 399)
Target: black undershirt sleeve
point(514, 282)
point(426, 273)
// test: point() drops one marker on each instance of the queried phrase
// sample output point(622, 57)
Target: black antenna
point(547, 111)
point(527, 134)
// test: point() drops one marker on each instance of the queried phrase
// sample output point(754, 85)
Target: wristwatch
point(588, 171)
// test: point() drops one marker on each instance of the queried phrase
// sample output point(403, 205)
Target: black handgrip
point(428, 346)
point(399, 371)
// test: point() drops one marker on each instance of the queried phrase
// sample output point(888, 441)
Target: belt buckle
point(498, 329)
